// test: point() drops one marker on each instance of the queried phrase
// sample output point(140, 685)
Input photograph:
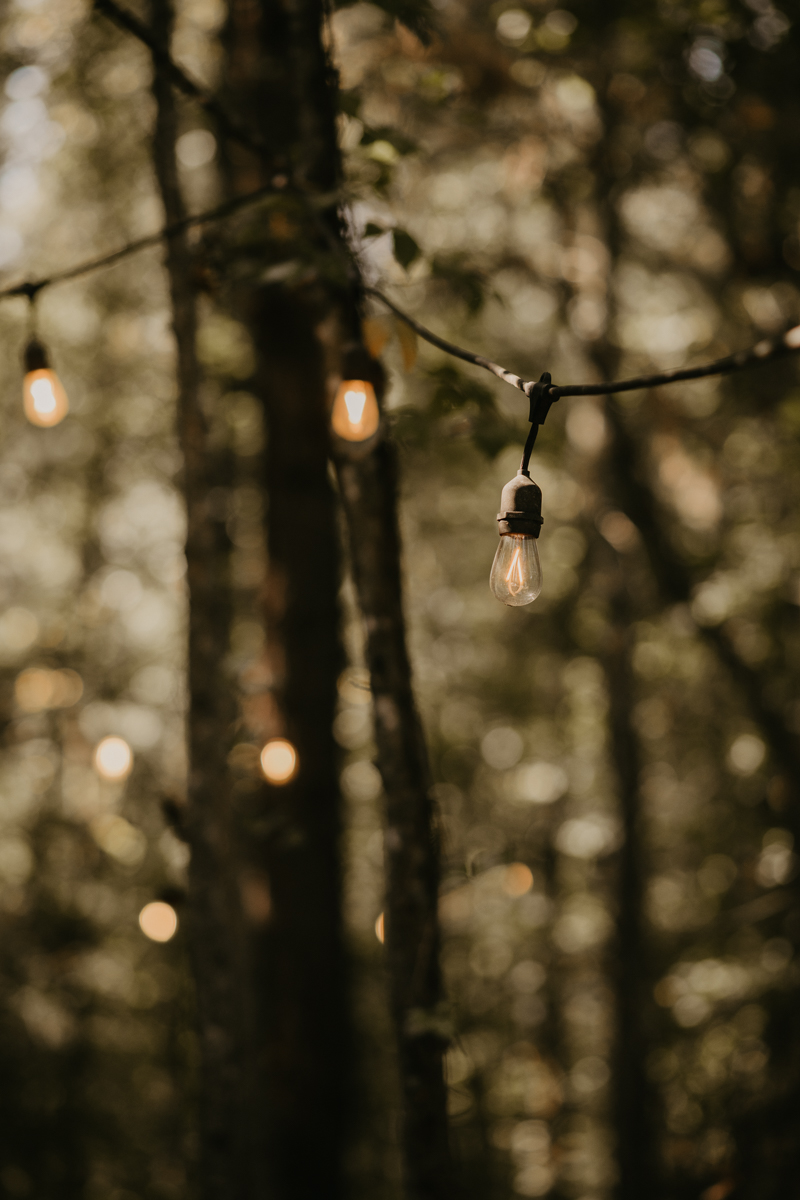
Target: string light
point(516, 576)
point(43, 397)
point(355, 416)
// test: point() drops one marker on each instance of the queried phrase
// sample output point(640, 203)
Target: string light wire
point(32, 287)
point(542, 393)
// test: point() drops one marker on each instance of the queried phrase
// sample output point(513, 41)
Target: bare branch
point(179, 78)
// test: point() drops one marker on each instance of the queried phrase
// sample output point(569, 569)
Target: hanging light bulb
point(516, 576)
point(43, 396)
point(355, 416)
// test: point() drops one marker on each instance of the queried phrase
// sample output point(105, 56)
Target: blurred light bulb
point(380, 929)
point(158, 921)
point(43, 397)
point(279, 761)
point(516, 577)
point(113, 758)
point(355, 415)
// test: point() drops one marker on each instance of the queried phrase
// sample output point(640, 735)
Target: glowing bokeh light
point(380, 929)
point(43, 397)
point(158, 921)
point(279, 761)
point(113, 758)
point(518, 879)
point(355, 415)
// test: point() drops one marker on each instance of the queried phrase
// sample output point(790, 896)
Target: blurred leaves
point(416, 15)
point(466, 282)
point(457, 407)
point(402, 144)
point(406, 250)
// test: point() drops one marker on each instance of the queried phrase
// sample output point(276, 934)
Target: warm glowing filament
point(355, 402)
point(44, 400)
point(43, 397)
point(355, 415)
point(515, 579)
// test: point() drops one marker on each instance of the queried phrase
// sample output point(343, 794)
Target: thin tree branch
point(179, 78)
point(215, 923)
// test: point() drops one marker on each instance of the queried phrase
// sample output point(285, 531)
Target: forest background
point(594, 191)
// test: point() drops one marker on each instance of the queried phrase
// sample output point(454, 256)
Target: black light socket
point(521, 506)
point(35, 357)
point(358, 363)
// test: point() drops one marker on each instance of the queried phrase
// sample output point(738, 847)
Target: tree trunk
point(369, 494)
point(636, 1151)
point(214, 925)
point(277, 72)
point(278, 68)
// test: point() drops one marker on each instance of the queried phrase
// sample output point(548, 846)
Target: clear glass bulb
point(43, 397)
point(516, 577)
point(355, 415)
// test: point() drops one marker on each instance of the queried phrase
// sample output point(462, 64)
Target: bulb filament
point(514, 578)
point(355, 402)
point(44, 400)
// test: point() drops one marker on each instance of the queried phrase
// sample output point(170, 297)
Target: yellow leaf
point(408, 344)
point(376, 332)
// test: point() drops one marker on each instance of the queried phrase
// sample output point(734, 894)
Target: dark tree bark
point(634, 1119)
point(277, 72)
point(214, 924)
point(288, 80)
point(369, 495)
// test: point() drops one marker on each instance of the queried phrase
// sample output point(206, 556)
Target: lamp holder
point(35, 357)
point(521, 506)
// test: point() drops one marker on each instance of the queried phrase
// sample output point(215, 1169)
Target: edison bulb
point(516, 577)
point(43, 396)
point(355, 415)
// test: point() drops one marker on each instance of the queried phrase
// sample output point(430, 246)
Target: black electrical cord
point(543, 393)
point(32, 287)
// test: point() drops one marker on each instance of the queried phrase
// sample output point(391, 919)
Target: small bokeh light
point(279, 761)
point(113, 758)
point(380, 929)
point(518, 879)
point(158, 921)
